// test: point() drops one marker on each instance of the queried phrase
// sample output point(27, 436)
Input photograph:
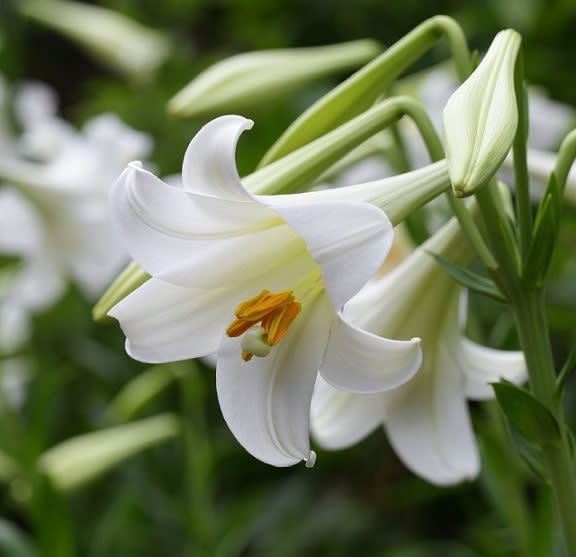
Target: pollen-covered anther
point(274, 311)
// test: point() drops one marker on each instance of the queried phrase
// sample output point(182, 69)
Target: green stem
point(500, 236)
point(565, 159)
point(522, 182)
point(436, 152)
point(362, 89)
point(529, 312)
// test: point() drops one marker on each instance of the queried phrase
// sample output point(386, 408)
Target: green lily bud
point(248, 79)
point(76, 461)
point(481, 117)
point(118, 41)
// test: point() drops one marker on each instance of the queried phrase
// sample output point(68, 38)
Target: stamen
point(276, 324)
point(275, 311)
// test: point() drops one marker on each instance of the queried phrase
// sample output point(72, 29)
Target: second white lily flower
point(426, 419)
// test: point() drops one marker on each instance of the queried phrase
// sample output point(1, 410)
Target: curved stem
point(565, 159)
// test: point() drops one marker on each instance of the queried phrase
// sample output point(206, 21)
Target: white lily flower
point(481, 117)
point(257, 279)
point(54, 212)
point(426, 419)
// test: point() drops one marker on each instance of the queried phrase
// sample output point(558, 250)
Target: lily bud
point(247, 79)
point(77, 461)
point(118, 41)
point(481, 117)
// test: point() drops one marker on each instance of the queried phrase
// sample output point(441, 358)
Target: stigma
point(264, 321)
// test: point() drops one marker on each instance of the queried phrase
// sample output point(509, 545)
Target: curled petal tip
point(311, 460)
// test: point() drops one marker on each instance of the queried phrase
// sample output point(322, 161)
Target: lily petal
point(339, 419)
point(349, 240)
point(209, 166)
point(482, 365)
point(429, 429)
point(362, 362)
point(266, 401)
point(198, 241)
point(163, 322)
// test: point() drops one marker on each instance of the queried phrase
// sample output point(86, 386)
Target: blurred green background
point(200, 493)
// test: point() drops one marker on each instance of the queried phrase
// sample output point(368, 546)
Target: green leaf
point(545, 235)
point(140, 391)
point(470, 279)
point(532, 419)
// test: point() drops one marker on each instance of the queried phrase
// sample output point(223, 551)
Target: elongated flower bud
point(118, 41)
point(247, 79)
point(481, 117)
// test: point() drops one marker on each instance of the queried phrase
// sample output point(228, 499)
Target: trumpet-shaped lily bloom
point(54, 207)
point(426, 419)
point(257, 279)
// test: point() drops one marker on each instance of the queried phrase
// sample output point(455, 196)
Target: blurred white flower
point(53, 206)
point(259, 280)
point(427, 418)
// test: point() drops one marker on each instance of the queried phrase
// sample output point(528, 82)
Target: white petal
point(163, 322)
point(198, 241)
point(430, 430)
point(209, 166)
point(361, 362)
point(339, 419)
point(266, 401)
point(482, 365)
point(349, 240)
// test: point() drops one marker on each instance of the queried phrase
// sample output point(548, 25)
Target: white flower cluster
point(54, 184)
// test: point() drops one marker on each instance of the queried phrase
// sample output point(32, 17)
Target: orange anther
point(277, 323)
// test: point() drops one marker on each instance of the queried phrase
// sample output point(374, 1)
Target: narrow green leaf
point(470, 279)
point(545, 235)
point(140, 391)
point(530, 417)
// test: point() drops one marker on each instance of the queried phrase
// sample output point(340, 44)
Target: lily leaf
point(530, 417)
point(545, 234)
point(470, 279)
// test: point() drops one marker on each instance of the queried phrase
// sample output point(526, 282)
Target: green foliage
point(532, 419)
